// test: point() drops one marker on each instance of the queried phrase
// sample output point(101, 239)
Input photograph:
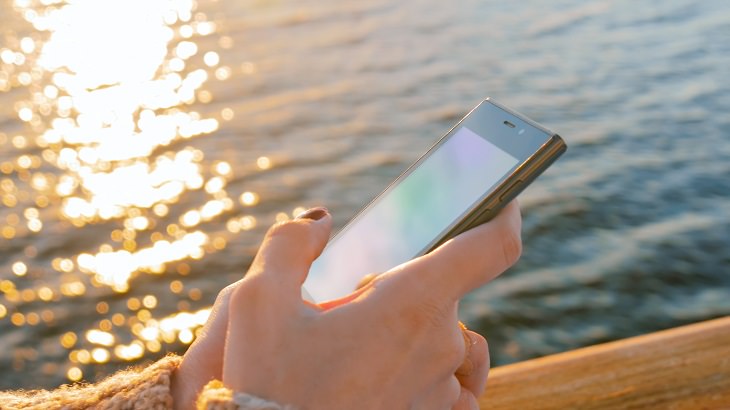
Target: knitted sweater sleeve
point(137, 388)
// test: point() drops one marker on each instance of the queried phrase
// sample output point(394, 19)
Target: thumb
point(288, 250)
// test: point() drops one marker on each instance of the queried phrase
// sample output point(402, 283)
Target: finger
point(466, 401)
point(203, 361)
point(331, 304)
point(288, 250)
point(472, 374)
point(463, 263)
point(215, 326)
point(443, 395)
point(366, 283)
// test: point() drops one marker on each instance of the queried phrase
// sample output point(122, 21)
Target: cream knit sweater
point(143, 388)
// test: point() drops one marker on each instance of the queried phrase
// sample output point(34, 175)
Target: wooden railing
point(682, 368)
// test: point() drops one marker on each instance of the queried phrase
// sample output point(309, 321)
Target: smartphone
point(462, 181)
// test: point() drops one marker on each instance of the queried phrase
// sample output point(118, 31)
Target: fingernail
point(313, 213)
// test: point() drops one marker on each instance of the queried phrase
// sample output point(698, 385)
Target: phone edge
point(511, 187)
point(407, 171)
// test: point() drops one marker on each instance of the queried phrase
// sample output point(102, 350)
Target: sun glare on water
point(107, 96)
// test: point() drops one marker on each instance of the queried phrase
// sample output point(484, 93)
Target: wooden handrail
point(682, 368)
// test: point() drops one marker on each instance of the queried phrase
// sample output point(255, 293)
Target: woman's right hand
point(395, 344)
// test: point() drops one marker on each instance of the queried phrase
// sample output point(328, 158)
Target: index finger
point(465, 262)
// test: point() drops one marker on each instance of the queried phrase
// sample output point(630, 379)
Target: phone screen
point(404, 221)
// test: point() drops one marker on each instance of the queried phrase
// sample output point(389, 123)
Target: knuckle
point(244, 293)
point(421, 318)
point(452, 360)
point(511, 245)
point(430, 313)
point(226, 292)
point(454, 390)
point(436, 324)
point(294, 233)
point(238, 297)
point(456, 349)
point(284, 228)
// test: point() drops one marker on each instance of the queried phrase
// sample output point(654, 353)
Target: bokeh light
point(103, 148)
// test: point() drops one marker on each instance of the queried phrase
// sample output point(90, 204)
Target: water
point(291, 104)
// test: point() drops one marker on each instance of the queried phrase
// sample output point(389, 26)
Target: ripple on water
point(308, 103)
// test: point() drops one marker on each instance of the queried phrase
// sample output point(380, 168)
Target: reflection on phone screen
point(405, 219)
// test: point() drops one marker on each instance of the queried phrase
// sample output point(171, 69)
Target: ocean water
point(146, 146)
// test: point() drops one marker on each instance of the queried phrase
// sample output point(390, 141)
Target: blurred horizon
point(146, 146)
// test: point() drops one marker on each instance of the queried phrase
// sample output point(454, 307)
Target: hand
point(395, 343)
point(203, 361)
